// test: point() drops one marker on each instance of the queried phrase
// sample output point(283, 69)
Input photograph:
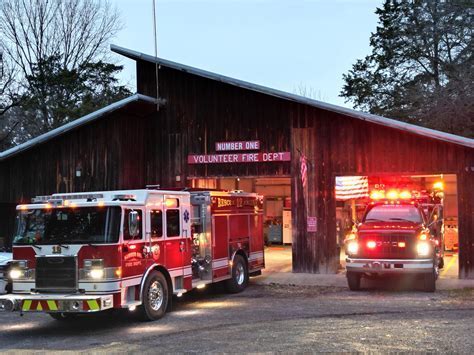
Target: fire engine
point(393, 238)
point(90, 252)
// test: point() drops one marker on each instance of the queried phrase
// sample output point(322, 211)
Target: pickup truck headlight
point(352, 247)
point(423, 248)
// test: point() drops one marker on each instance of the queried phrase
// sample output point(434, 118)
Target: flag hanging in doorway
point(304, 169)
point(351, 187)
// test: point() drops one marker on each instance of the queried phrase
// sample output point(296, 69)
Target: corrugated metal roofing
point(431, 133)
point(76, 123)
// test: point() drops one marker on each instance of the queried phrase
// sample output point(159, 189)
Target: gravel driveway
point(266, 318)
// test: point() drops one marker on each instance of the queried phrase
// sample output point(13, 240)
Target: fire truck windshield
point(68, 226)
point(394, 213)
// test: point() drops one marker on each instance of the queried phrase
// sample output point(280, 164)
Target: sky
point(282, 44)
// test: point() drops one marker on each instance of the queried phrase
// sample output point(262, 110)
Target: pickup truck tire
point(353, 280)
point(429, 282)
point(154, 297)
point(240, 276)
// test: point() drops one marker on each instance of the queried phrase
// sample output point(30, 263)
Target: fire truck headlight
point(16, 273)
point(423, 248)
point(97, 274)
point(352, 247)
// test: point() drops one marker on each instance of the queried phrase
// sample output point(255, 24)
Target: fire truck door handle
point(181, 246)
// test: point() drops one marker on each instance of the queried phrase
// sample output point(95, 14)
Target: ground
point(266, 318)
point(280, 311)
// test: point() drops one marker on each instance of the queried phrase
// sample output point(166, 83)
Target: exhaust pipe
point(8, 305)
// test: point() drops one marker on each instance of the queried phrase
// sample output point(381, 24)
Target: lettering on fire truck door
point(133, 256)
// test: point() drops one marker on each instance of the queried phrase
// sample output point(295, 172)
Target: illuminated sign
point(239, 158)
point(240, 145)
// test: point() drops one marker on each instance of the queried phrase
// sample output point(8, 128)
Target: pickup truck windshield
point(81, 225)
point(394, 213)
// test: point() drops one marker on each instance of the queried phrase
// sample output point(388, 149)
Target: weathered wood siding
point(138, 147)
point(109, 154)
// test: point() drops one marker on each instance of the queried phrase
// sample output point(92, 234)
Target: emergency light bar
point(391, 195)
point(54, 198)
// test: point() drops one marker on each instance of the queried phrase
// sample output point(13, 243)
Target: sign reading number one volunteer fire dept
point(251, 157)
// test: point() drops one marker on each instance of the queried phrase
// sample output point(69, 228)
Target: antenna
point(156, 56)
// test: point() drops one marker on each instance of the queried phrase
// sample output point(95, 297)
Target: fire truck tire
point(353, 281)
point(63, 316)
point(240, 277)
point(429, 282)
point(155, 297)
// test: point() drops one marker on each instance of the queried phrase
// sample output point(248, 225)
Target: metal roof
point(427, 132)
point(76, 123)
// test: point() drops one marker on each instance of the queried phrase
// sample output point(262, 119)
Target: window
point(156, 223)
point(68, 225)
point(390, 213)
point(172, 223)
point(126, 235)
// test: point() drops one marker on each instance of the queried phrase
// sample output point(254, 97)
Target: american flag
point(351, 187)
point(304, 169)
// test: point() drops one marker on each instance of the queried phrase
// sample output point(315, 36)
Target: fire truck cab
point(135, 249)
point(393, 238)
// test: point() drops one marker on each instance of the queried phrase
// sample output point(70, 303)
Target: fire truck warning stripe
point(26, 305)
point(93, 305)
point(52, 305)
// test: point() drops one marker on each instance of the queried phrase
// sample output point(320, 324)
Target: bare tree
point(76, 30)
point(309, 92)
point(71, 34)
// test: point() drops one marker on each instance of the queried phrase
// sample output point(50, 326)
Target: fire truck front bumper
point(390, 266)
point(51, 303)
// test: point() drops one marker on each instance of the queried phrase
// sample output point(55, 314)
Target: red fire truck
point(393, 238)
point(90, 252)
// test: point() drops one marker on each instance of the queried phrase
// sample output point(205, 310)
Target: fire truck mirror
point(133, 223)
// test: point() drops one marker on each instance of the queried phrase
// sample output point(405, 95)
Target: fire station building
point(313, 162)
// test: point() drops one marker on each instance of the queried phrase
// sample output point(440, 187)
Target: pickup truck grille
point(55, 273)
point(387, 246)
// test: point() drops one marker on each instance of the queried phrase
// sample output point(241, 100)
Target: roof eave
point(74, 124)
point(380, 120)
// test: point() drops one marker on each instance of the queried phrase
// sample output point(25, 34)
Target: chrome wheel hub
point(240, 274)
point(155, 295)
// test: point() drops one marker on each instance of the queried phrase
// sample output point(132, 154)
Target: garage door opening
point(435, 194)
point(277, 231)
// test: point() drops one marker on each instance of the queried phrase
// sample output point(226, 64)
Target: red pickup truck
point(393, 238)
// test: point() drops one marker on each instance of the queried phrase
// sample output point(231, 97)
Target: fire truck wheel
point(353, 281)
point(63, 316)
point(429, 282)
point(240, 276)
point(155, 297)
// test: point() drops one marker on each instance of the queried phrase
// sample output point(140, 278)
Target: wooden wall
point(108, 152)
point(132, 148)
point(201, 111)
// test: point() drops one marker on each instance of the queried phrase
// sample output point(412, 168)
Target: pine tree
point(421, 69)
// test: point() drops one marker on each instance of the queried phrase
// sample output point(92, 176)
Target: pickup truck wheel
point(353, 281)
point(155, 297)
point(240, 277)
point(64, 317)
point(429, 282)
